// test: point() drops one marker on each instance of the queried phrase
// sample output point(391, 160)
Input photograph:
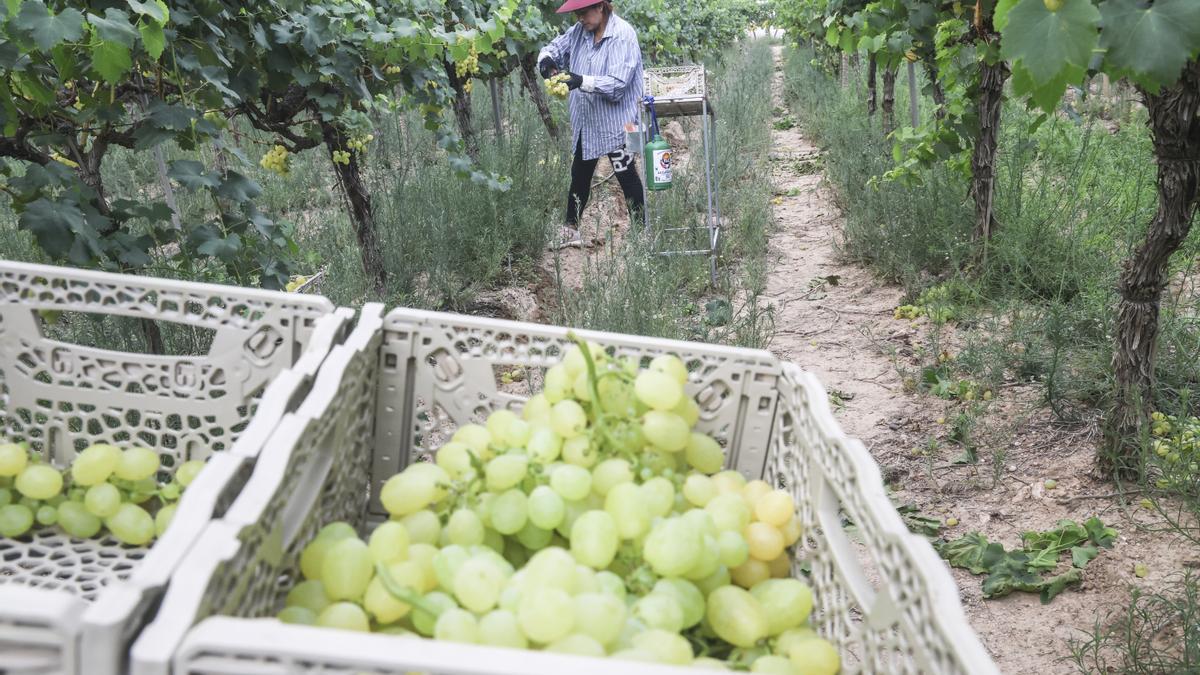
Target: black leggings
point(624, 165)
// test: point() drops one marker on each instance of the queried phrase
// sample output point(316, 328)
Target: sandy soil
point(835, 319)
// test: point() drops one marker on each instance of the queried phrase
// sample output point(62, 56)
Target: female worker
point(603, 60)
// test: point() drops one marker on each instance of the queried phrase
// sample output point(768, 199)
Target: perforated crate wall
point(66, 601)
point(887, 601)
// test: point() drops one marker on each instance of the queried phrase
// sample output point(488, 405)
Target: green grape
point(388, 543)
point(47, 515)
point(770, 663)
point(457, 625)
point(437, 602)
point(510, 510)
point(599, 615)
point(658, 496)
point(13, 458)
point(544, 445)
point(703, 453)
point(455, 459)
point(15, 520)
point(729, 512)
point(546, 507)
point(381, 604)
point(434, 474)
point(578, 644)
point(446, 564)
point(733, 548)
point(465, 528)
point(670, 365)
point(568, 419)
point(170, 492)
point(95, 464)
point(187, 472)
point(673, 547)
point(533, 537)
point(571, 482)
point(708, 562)
point(537, 410)
point(423, 527)
point(344, 615)
point(659, 610)
point(580, 451)
point(687, 410)
point(506, 471)
point(297, 615)
point(594, 539)
point(665, 430)
point(611, 584)
point(308, 594)
point(499, 628)
point(102, 500)
point(518, 433)
point(581, 389)
point(137, 463)
point(557, 385)
point(815, 657)
point(347, 569)
point(475, 437)
point(610, 473)
point(76, 521)
point(546, 614)
point(313, 555)
point(656, 390)
point(407, 492)
point(628, 510)
point(793, 637)
point(131, 525)
point(39, 481)
point(498, 423)
point(616, 396)
point(736, 616)
point(664, 646)
point(786, 602)
point(699, 489)
point(686, 595)
point(477, 585)
point(553, 567)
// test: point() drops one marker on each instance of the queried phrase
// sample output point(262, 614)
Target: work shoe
point(567, 236)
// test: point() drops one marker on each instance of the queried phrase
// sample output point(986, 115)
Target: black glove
point(546, 67)
point(575, 81)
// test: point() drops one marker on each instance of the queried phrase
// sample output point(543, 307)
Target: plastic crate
point(73, 606)
point(675, 82)
point(385, 397)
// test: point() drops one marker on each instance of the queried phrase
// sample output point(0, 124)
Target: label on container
point(662, 166)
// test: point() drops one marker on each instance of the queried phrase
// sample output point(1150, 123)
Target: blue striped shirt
point(611, 93)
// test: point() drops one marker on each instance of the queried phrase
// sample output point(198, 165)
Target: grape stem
point(401, 593)
point(601, 418)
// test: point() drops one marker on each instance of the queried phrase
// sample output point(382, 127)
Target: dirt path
point(835, 320)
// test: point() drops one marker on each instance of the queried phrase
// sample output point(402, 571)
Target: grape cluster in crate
point(597, 522)
point(105, 488)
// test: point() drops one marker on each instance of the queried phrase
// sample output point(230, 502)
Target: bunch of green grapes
point(597, 522)
point(468, 86)
point(468, 66)
point(341, 157)
point(1176, 446)
point(556, 85)
point(276, 160)
point(105, 487)
point(358, 143)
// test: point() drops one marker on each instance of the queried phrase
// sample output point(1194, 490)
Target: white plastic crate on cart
point(73, 606)
point(385, 398)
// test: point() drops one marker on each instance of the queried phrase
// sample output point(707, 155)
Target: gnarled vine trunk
point(359, 201)
point(462, 111)
point(889, 99)
point(532, 82)
point(936, 91)
point(872, 67)
point(1175, 130)
point(983, 158)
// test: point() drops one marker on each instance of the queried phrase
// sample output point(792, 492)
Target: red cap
point(572, 5)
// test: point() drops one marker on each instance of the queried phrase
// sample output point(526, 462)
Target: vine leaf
point(1150, 44)
point(1048, 43)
